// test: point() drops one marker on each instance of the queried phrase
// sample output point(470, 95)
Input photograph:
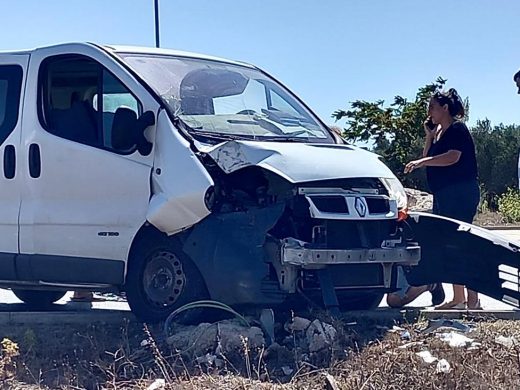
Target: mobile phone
point(429, 124)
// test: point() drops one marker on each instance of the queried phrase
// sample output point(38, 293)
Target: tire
point(358, 300)
point(38, 298)
point(160, 279)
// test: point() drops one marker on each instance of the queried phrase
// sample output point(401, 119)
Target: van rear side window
point(10, 88)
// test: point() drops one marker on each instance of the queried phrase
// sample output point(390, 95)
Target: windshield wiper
point(284, 139)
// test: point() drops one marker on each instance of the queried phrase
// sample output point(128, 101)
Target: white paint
point(299, 162)
point(179, 188)
point(10, 189)
point(82, 190)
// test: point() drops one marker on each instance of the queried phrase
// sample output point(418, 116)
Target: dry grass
point(364, 357)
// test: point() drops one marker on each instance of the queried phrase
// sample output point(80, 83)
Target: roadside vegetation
point(364, 355)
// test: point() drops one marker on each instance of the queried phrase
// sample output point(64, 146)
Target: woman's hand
point(413, 165)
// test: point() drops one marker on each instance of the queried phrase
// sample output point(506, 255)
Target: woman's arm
point(442, 160)
point(427, 144)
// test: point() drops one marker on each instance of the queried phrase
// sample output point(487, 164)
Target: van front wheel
point(38, 298)
point(160, 279)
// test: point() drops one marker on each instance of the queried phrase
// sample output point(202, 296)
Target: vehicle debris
point(426, 356)
point(455, 340)
point(443, 366)
point(434, 325)
point(507, 342)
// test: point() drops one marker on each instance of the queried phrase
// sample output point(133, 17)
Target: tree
point(497, 155)
point(396, 131)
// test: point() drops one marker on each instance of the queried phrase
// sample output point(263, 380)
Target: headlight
point(396, 191)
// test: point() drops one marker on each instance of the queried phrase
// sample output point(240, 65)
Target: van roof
point(161, 51)
point(129, 49)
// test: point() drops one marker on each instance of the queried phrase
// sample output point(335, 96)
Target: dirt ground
point(363, 354)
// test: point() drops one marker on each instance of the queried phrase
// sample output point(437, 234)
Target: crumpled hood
point(298, 162)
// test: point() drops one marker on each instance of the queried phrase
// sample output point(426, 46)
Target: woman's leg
point(458, 294)
point(461, 204)
point(396, 301)
point(473, 301)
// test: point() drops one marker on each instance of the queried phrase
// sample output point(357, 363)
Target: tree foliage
point(396, 131)
point(497, 155)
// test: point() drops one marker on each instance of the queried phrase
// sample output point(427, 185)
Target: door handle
point(35, 166)
point(9, 161)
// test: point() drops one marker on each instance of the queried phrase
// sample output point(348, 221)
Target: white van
point(176, 177)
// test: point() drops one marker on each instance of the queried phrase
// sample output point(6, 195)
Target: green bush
point(509, 205)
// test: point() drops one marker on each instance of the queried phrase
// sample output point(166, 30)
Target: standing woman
point(451, 171)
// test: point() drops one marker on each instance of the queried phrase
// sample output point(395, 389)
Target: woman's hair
point(453, 100)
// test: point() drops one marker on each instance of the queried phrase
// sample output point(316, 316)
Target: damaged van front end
point(262, 198)
point(291, 219)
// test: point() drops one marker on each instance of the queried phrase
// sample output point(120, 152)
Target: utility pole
point(156, 7)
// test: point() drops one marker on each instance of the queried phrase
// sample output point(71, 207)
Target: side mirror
point(146, 120)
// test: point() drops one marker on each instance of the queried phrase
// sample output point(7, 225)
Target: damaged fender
point(179, 182)
point(457, 252)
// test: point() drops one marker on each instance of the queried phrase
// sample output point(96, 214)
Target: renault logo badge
point(361, 206)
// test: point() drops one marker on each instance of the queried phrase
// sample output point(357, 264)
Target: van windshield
point(215, 98)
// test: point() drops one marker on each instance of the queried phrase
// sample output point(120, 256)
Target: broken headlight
point(396, 191)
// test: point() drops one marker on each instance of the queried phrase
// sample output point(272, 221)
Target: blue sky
point(329, 52)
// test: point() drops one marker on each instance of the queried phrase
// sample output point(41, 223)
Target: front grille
point(378, 205)
point(330, 204)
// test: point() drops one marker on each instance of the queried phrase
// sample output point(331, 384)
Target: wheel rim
point(163, 279)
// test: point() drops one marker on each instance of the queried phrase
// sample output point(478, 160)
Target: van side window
point(83, 102)
point(10, 89)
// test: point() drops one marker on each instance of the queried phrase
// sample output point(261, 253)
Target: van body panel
point(87, 202)
point(10, 188)
point(299, 162)
point(179, 181)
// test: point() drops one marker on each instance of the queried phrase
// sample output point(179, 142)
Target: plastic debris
point(157, 384)
point(426, 356)
point(507, 342)
point(396, 329)
point(443, 366)
point(455, 340)
point(405, 335)
point(475, 346)
point(445, 323)
point(287, 370)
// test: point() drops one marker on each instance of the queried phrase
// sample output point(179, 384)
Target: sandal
point(452, 306)
point(477, 306)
